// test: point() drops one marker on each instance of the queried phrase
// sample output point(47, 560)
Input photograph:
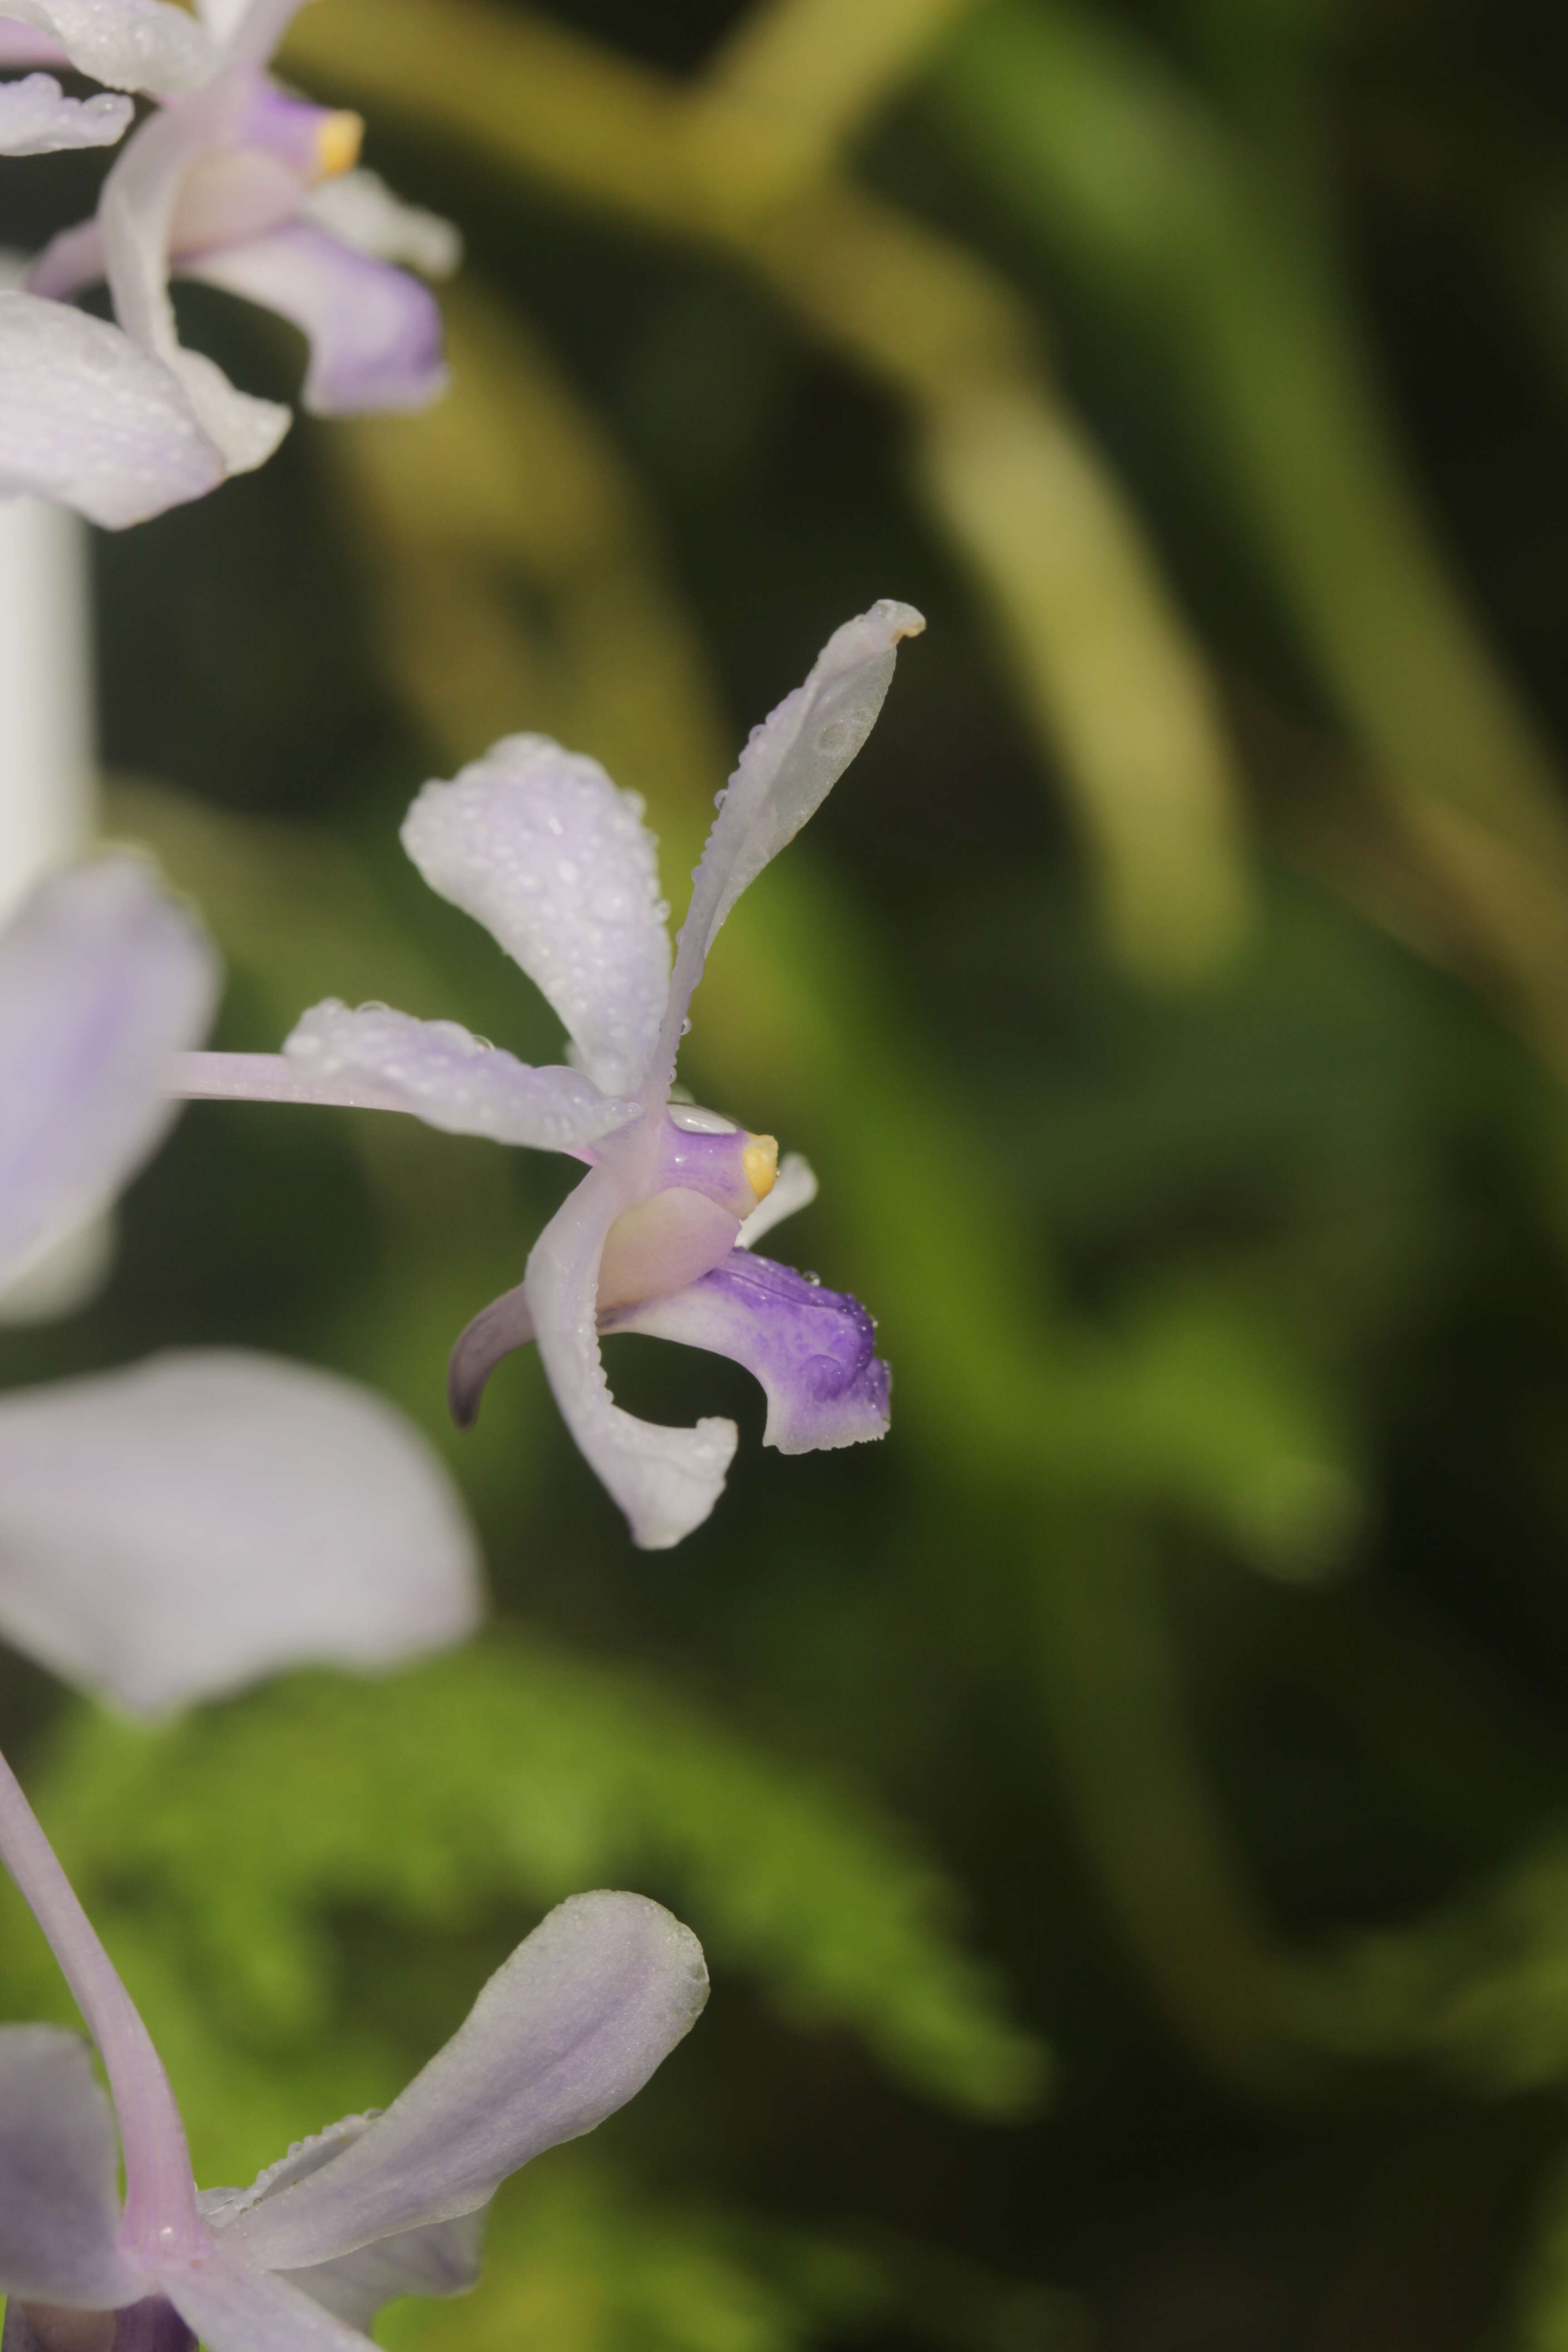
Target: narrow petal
point(566, 2030)
point(60, 2161)
point(786, 771)
point(176, 1530)
point(128, 43)
point(667, 1481)
point(89, 419)
point(813, 1349)
point(136, 212)
point(497, 1332)
point(234, 2308)
point(102, 978)
point(374, 331)
point(451, 1079)
point(359, 209)
point(441, 2258)
point(373, 1059)
point(37, 118)
point(794, 1187)
point(539, 845)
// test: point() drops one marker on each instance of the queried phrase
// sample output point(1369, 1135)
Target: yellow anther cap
point(761, 1161)
point(338, 143)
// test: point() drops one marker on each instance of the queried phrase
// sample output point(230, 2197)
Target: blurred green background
point(1127, 1812)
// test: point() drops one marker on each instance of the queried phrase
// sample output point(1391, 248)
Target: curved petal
point(59, 2208)
point(786, 771)
point(102, 978)
point(813, 1349)
point(660, 1244)
point(136, 212)
point(176, 1530)
point(539, 847)
point(497, 1332)
point(566, 2030)
point(359, 209)
point(666, 1480)
point(794, 1188)
point(89, 419)
point(375, 333)
point(371, 1058)
point(37, 118)
point(130, 44)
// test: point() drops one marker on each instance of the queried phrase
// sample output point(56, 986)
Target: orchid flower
point(233, 180)
point(541, 847)
point(177, 1529)
point(382, 2204)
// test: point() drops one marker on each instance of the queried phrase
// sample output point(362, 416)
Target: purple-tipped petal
point(128, 43)
point(89, 419)
point(37, 118)
point(176, 1530)
point(667, 1481)
point(539, 847)
point(813, 1351)
point(375, 333)
point(566, 2030)
point(102, 978)
point(788, 767)
point(59, 2205)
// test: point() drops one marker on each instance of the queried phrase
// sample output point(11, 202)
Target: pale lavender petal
point(813, 1351)
point(60, 2164)
point(539, 847)
point(794, 1187)
point(130, 44)
point(37, 118)
point(102, 978)
point(786, 771)
point(452, 1079)
point(235, 2309)
point(440, 2259)
point(89, 419)
point(23, 44)
point(667, 1481)
point(566, 2030)
point(359, 209)
point(137, 212)
point(374, 331)
point(176, 1530)
point(496, 1332)
point(69, 262)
